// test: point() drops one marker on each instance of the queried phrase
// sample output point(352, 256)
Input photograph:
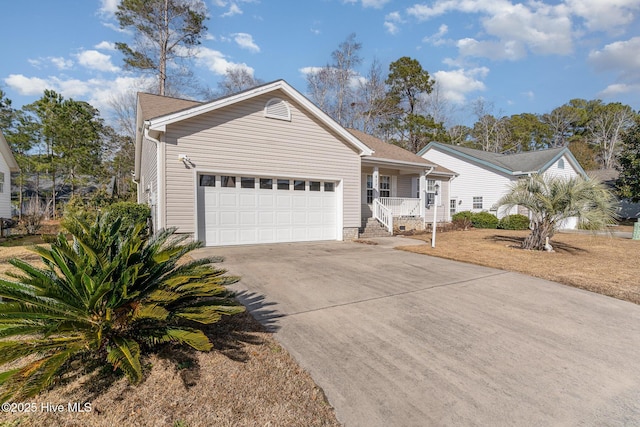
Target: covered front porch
point(398, 197)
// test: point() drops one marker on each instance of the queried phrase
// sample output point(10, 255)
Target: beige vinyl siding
point(5, 196)
point(239, 138)
point(404, 186)
point(148, 171)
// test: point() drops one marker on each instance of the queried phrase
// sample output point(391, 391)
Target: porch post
point(376, 183)
point(423, 189)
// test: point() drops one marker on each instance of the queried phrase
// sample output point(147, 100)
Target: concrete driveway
point(400, 339)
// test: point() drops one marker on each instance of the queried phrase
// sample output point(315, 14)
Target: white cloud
point(57, 61)
point(216, 61)
point(376, 4)
point(309, 70)
point(436, 39)
point(610, 16)
point(620, 57)
point(104, 45)
point(109, 7)
point(28, 86)
point(510, 50)
point(61, 63)
point(617, 89)
point(391, 28)
point(245, 41)
point(234, 9)
point(390, 22)
point(456, 84)
point(95, 60)
point(510, 30)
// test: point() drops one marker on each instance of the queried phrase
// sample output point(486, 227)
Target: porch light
point(436, 187)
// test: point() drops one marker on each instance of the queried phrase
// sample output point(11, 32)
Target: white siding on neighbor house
point(567, 172)
point(442, 209)
point(5, 196)
point(472, 181)
point(239, 139)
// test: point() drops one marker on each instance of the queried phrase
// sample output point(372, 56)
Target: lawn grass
point(598, 263)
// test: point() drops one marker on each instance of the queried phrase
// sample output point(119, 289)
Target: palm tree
point(553, 199)
point(104, 297)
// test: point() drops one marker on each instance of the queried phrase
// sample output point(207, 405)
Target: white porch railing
point(383, 214)
point(401, 206)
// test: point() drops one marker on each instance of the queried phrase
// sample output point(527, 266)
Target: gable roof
point(160, 123)
point(7, 154)
point(155, 105)
point(388, 152)
point(155, 113)
point(511, 164)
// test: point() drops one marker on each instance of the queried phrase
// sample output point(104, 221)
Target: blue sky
point(531, 56)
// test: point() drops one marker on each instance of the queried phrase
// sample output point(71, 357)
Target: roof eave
point(371, 160)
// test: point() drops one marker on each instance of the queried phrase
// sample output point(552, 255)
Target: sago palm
point(554, 199)
point(105, 295)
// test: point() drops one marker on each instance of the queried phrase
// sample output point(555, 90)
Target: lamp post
point(435, 209)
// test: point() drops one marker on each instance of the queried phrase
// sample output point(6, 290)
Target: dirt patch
point(602, 264)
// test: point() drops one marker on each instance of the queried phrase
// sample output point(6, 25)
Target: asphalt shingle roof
point(529, 161)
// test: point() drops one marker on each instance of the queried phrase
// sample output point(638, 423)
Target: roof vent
point(277, 108)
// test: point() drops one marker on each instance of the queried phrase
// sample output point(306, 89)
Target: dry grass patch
point(248, 379)
point(602, 264)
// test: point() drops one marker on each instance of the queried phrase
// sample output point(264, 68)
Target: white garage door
point(238, 210)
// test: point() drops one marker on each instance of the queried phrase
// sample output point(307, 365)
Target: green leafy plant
point(514, 222)
point(553, 199)
point(104, 297)
point(129, 212)
point(484, 220)
point(462, 215)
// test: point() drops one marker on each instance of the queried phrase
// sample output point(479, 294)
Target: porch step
point(372, 228)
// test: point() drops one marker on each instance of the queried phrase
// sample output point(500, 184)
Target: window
point(477, 202)
point(369, 189)
point(266, 184)
point(329, 187)
point(247, 182)
point(283, 184)
point(314, 185)
point(431, 192)
point(453, 204)
point(298, 185)
point(561, 164)
point(385, 186)
point(205, 181)
point(228, 181)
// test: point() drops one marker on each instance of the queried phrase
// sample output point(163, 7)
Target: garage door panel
point(228, 218)
point(232, 216)
point(227, 200)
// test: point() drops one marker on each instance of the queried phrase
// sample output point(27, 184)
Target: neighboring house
point(8, 164)
point(626, 208)
point(266, 165)
point(485, 177)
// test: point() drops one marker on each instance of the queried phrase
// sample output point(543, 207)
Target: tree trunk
point(538, 237)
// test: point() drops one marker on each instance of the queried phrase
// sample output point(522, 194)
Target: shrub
point(103, 298)
point(514, 222)
point(462, 215)
point(129, 213)
point(484, 220)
